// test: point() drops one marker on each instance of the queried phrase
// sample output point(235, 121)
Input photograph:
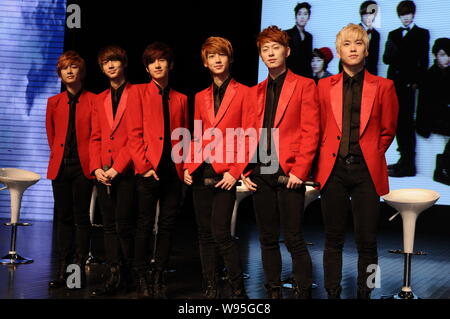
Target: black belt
point(71, 161)
point(352, 159)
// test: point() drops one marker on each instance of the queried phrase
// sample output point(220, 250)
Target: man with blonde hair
point(358, 121)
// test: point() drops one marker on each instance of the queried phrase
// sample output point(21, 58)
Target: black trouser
point(406, 134)
point(213, 210)
point(119, 218)
point(349, 180)
point(280, 209)
point(72, 194)
point(168, 191)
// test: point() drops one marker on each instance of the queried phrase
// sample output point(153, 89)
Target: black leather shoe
point(334, 293)
point(238, 289)
point(61, 278)
point(402, 171)
point(274, 292)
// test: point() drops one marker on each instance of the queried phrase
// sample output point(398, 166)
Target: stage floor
point(430, 273)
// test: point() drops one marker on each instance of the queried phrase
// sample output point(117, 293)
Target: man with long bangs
point(285, 104)
point(219, 107)
point(155, 112)
point(358, 121)
point(113, 169)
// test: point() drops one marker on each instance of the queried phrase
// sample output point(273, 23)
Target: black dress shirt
point(166, 165)
point(219, 93)
point(116, 94)
point(351, 110)
point(71, 149)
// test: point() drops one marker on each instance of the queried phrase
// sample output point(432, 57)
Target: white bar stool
point(16, 181)
point(409, 203)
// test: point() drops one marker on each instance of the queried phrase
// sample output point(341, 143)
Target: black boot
point(212, 289)
point(238, 289)
point(144, 285)
point(334, 293)
point(61, 277)
point(302, 293)
point(159, 285)
point(112, 285)
point(274, 292)
point(363, 294)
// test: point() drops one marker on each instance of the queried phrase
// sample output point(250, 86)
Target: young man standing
point(112, 166)
point(300, 42)
point(286, 104)
point(358, 122)
point(68, 124)
point(155, 111)
point(406, 53)
point(219, 107)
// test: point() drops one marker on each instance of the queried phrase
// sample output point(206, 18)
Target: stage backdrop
point(31, 39)
point(328, 17)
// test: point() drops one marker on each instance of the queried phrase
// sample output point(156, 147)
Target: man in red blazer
point(211, 170)
point(358, 122)
point(68, 124)
point(286, 104)
point(155, 111)
point(112, 166)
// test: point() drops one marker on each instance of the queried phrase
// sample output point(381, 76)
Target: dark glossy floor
point(430, 273)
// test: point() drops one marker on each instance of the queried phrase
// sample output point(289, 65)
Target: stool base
point(289, 283)
point(15, 259)
point(402, 295)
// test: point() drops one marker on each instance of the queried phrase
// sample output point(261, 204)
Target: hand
point(248, 182)
point(187, 177)
point(227, 181)
point(111, 173)
point(101, 176)
point(294, 182)
point(151, 172)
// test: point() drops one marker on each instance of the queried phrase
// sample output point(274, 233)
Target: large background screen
point(328, 17)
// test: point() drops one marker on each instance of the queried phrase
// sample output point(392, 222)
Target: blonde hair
point(352, 30)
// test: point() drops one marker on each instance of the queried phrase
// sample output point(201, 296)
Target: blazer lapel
point(227, 98)
point(368, 96)
point(285, 95)
point(107, 105)
point(153, 104)
point(63, 111)
point(209, 104)
point(336, 98)
point(261, 102)
point(121, 108)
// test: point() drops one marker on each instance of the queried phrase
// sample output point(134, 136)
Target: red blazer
point(109, 134)
point(378, 123)
point(297, 120)
point(233, 113)
point(145, 120)
point(57, 123)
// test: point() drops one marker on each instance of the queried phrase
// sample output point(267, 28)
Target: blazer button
point(160, 138)
point(62, 145)
point(109, 151)
point(338, 137)
point(112, 137)
point(334, 154)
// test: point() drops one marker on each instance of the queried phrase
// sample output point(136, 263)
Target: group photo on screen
point(409, 44)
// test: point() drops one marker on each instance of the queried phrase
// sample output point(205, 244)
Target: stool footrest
point(398, 251)
point(17, 224)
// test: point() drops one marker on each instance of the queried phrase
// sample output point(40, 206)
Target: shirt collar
point(120, 89)
point(278, 80)
point(74, 98)
point(410, 26)
point(223, 87)
point(359, 77)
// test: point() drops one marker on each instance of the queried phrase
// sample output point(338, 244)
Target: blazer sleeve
point(135, 127)
point(196, 142)
point(389, 116)
point(50, 123)
point(310, 131)
point(95, 144)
